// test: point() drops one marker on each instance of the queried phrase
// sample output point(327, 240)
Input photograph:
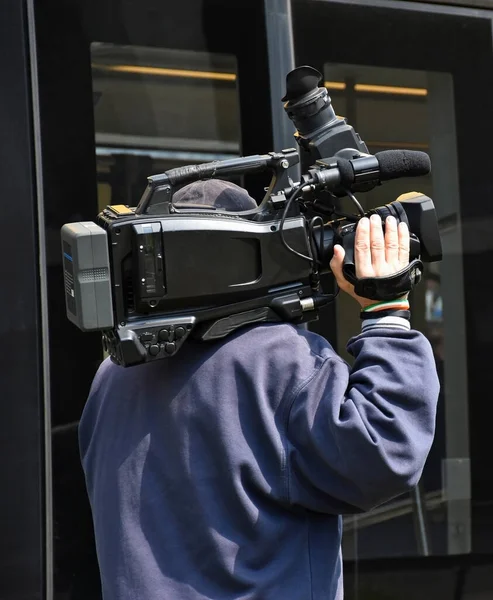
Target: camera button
point(170, 348)
point(154, 350)
point(163, 335)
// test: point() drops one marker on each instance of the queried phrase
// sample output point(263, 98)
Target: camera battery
point(86, 271)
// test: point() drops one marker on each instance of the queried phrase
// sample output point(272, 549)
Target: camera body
point(152, 276)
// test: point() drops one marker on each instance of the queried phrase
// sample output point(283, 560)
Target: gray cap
point(218, 193)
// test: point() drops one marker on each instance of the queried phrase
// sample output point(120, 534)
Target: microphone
point(383, 166)
point(394, 164)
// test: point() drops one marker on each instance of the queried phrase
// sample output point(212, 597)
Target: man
point(221, 473)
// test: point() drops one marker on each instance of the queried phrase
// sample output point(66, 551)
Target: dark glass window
point(405, 109)
point(128, 90)
point(420, 77)
point(157, 109)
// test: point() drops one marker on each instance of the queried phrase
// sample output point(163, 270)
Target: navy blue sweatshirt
point(221, 473)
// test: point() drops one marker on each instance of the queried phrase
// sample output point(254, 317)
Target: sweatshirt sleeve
point(357, 437)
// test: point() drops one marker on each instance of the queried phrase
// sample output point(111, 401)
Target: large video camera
point(152, 276)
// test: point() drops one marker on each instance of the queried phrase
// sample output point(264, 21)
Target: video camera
point(152, 276)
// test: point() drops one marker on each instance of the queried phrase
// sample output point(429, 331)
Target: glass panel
point(402, 90)
point(156, 109)
point(397, 108)
point(127, 91)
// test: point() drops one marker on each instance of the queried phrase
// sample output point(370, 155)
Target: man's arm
point(358, 437)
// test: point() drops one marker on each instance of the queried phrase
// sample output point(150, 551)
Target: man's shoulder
point(280, 345)
point(104, 369)
point(278, 340)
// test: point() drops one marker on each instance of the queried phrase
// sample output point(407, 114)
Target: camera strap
point(379, 288)
point(388, 287)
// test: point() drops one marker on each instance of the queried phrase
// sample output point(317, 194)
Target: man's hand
point(374, 254)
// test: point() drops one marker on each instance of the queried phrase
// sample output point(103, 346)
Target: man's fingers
point(377, 244)
point(336, 267)
point(362, 254)
point(391, 242)
point(337, 261)
point(404, 242)
point(376, 255)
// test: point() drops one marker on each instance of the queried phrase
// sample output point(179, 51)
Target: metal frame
point(467, 3)
point(22, 468)
point(281, 60)
point(45, 348)
point(450, 7)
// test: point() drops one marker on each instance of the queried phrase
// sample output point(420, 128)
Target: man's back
point(219, 473)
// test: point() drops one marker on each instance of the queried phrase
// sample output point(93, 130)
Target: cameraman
point(222, 473)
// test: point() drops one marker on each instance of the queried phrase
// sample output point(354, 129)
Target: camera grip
point(379, 288)
point(392, 286)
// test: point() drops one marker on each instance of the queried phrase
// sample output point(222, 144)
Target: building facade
point(97, 95)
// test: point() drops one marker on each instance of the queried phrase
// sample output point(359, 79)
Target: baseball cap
point(216, 193)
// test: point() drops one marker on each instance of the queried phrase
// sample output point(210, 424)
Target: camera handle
point(158, 196)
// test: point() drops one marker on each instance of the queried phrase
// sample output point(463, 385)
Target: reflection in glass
point(390, 109)
point(156, 109)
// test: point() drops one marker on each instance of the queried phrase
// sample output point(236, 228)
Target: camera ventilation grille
point(99, 274)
